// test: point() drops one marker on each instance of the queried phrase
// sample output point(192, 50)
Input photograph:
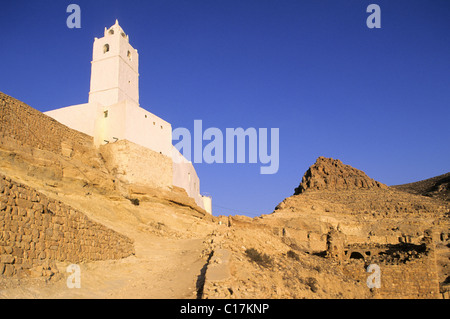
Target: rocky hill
point(337, 223)
point(332, 174)
point(437, 187)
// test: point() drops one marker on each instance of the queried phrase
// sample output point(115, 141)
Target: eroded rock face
point(332, 174)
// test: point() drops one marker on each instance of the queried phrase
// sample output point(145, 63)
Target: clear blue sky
point(378, 99)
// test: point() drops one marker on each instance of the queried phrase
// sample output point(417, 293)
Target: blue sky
point(377, 99)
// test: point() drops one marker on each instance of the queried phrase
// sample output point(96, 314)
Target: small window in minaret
point(106, 48)
point(105, 114)
point(129, 55)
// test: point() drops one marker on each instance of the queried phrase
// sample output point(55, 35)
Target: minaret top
point(115, 69)
point(115, 30)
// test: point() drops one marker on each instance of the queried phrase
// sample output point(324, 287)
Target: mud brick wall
point(33, 128)
point(35, 229)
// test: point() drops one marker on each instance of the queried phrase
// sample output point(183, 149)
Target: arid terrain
point(437, 187)
point(62, 204)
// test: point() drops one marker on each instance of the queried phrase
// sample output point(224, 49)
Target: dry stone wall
point(412, 280)
point(406, 270)
point(35, 229)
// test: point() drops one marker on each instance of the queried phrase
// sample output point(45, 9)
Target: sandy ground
point(167, 263)
point(161, 268)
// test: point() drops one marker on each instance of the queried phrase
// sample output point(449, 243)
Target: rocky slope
point(332, 174)
point(436, 187)
point(374, 223)
point(316, 244)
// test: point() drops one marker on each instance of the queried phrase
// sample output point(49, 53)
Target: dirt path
point(162, 268)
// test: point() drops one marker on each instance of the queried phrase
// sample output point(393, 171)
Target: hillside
point(321, 239)
point(436, 187)
point(41, 158)
point(62, 203)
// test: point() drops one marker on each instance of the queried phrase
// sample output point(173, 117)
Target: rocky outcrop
point(332, 174)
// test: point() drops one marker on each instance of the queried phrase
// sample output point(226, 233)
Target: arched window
point(106, 48)
point(356, 255)
point(111, 32)
point(129, 55)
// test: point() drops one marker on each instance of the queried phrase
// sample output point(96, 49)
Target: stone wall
point(412, 280)
point(136, 164)
point(41, 147)
point(33, 128)
point(24, 128)
point(35, 229)
point(185, 176)
point(407, 270)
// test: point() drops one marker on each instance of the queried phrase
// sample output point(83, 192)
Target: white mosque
point(113, 115)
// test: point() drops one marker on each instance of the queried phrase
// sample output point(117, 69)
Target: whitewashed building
point(113, 115)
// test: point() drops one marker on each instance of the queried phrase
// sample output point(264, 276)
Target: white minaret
point(115, 72)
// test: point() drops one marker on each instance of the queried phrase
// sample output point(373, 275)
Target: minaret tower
point(115, 72)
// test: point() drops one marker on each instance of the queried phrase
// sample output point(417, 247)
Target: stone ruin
point(407, 270)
